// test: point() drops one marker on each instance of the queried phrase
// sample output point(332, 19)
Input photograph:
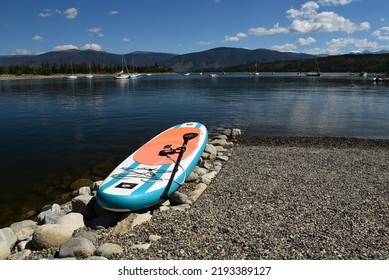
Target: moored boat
point(122, 74)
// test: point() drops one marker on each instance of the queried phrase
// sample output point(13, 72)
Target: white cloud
point(323, 22)
point(95, 47)
point(382, 33)
point(235, 38)
point(307, 19)
point(241, 35)
point(22, 52)
point(65, 47)
point(308, 10)
point(96, 31)
point(125, 40)
point(231, 38)
point(114, 12)
point(293, 47)
point(334, 2)
point(45, 14)
point(49, 12)
point(336, 45)
point(315, 51)
point(71, 13)
point(204, 42)
point(364, 26)
point(306, 41)
point(259, 31)
point(37, 38)
point(285, 48)
point(276, 29)
point(310, 19)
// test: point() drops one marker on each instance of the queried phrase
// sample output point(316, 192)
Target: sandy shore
point(281, 198)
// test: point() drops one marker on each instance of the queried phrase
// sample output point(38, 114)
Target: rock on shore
point(72, 230)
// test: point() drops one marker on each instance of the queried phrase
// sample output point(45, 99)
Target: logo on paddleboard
point(128, 186)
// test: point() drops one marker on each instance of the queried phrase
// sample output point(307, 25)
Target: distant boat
point(134, 75)
point(255, 73)
point(186, 74)
point(363, 74)
point(382, 78)
point(123, 75)
point(71, 76)
point(314, 74)
point(212, 75)
point(89, 75)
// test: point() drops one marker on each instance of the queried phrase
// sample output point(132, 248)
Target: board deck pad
point(141, 179)
point(149, 153)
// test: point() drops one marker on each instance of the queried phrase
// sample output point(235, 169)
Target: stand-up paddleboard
point(155, 171)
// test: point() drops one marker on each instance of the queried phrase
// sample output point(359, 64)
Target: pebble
point(108, 249)
point(51, 236)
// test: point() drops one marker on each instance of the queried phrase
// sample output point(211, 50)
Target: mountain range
point(218, 58)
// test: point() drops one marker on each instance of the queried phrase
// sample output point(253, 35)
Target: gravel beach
point(281, 198)
point(275, 198)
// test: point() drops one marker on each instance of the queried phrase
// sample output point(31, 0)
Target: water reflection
point(56, 131)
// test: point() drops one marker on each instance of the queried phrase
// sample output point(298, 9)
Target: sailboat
point(134, 75)
point(256, 73)
point(71, 76)
point(122, 74)
point(89, 75)
point(314, 74)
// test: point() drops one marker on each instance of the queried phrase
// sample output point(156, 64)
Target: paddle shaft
point(187, 137)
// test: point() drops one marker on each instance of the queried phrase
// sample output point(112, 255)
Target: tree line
point(351, 63)
point(48, 69)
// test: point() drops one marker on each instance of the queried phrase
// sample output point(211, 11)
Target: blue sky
point(184, 26)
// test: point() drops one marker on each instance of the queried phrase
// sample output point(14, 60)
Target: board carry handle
point(187, 137)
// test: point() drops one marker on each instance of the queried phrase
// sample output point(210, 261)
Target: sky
point(184, 26)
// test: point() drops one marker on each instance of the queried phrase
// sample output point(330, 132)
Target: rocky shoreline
point(72, 229)
point(261, 198)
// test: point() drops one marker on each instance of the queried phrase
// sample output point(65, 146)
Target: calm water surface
point(55, 131)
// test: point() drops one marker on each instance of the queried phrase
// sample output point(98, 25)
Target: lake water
point(55, 131)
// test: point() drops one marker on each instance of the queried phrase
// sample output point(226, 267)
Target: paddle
point(182, 149)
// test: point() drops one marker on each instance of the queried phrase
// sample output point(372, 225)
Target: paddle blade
point(189, 136)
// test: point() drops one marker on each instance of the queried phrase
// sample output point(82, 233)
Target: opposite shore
point(275, 198)
point(6, 77)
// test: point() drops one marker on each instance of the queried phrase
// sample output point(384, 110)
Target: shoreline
point(284, 198)
point(275, 198)
point(7, 77)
